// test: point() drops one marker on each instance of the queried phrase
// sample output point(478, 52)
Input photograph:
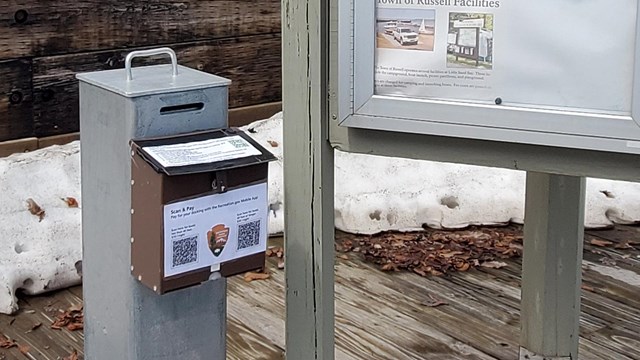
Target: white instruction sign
point(558, 55)
point(209, 230)
point(202, 152)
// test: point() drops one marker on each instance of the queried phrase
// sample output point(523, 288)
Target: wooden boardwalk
point(382, 315)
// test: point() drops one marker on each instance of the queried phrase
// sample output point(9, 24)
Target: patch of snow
point(38, 256)
point(373, 194)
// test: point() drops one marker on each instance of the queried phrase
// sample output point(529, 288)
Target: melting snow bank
point(373, 194)
point(39, 255)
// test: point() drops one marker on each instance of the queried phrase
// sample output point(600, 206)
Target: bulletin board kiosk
point(548, 87)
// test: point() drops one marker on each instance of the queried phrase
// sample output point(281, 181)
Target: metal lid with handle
point(153, 79)
point(151, 52)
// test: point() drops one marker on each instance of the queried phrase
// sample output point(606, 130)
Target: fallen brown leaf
point(450, 254)
point(345, 245)
point(494, 264)
point(273, 143)
point(275, 251)
point(420, 271)
point(250, 276)
point(388, 267)
point(623, 246)
point(587, 288)
point(24, 349)
point(35, 326)
point(433, 302)
point(601, 243)
point(72, 319)
point(72, 356)
point(35, 209)
point(71, 202)
point(436, 252)
point(7, 343)
point(75, 326)
point(463, 267)
point(281, 264)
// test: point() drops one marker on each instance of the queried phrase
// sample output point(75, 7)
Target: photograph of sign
point(405, 29)
point(473, 44)
point(519, 52)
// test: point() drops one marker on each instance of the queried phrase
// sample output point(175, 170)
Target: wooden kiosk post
point(551, 271)
point(308, 179)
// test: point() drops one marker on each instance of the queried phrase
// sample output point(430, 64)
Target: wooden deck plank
point(244, 343)
point(363, 317)
point(610, 307)
point(44, 343)
point(260, 306)
point(382, 315)
point(593, 346)
point(459, 319)
point(390, 323)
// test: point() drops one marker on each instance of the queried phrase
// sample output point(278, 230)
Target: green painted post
point(551, 270)
point(308, 179)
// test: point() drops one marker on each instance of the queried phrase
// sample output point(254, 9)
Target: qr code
point(248, 234)
point(185, 251)
point(238, 143)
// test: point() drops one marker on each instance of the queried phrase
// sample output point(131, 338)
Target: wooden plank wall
point(43, 44)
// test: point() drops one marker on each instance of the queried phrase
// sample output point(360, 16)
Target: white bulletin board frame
point(359, 108)
point(329, 103)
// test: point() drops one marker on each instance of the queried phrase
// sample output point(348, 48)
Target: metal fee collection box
point(199, 205)
point(144, 102)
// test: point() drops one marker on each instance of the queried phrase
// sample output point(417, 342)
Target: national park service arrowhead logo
point(217, 238)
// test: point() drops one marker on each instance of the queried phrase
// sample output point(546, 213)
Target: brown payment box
point(199, 206)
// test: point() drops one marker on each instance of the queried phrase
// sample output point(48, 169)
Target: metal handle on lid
point(151, 52)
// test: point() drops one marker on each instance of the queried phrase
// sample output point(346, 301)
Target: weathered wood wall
point(44, 43)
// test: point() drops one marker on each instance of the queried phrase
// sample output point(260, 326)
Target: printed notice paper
point(212, 229)
point(573, 55)
point(202, 152)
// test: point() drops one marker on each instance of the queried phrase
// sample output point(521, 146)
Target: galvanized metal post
point(123, 318)
point(308, 178)
point(551, 271)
